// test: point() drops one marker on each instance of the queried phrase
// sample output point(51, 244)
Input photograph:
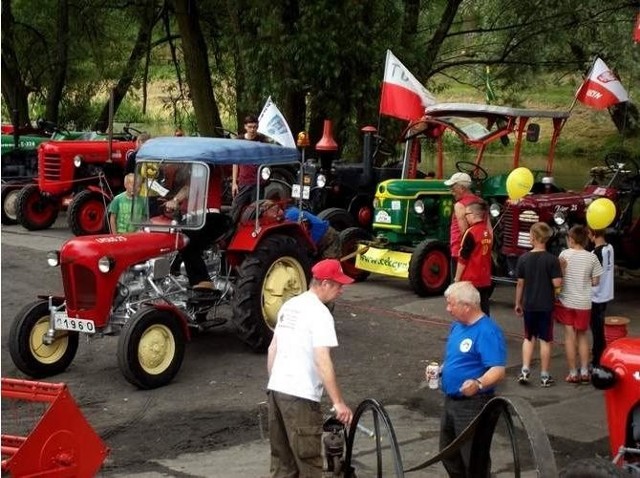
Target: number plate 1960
point(63, 322)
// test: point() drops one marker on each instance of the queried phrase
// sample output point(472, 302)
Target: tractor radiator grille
point(52, 166)
point(507, 228)
point(80, 286)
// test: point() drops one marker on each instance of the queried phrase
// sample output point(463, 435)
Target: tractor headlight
point(77, 161)
point(494, 210)
point(321, 180)
point(53, 258)
point(418, 206)
point(559, 218)
point(105, 264)
point(265, 173)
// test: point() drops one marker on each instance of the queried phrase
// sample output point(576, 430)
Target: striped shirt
point(581, 267)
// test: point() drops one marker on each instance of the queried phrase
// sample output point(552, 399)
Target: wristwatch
point(480, 387)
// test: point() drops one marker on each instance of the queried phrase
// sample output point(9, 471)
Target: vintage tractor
point(618, 180)
point(412, 216)
point(619, 376)
point(340, 191)
point(90, 170)
point(128, 284)
point(20, 161)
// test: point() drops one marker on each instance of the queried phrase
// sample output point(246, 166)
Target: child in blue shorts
point(539, 275)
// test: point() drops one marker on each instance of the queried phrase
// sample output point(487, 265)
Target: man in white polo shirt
point(300, 367)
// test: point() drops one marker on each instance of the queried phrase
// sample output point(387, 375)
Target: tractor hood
point(88, 289)
point(125, 248)
point(410, 188)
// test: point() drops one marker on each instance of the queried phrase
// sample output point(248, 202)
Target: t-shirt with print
point(470, 351)
point(304, 323)
point(581, 267)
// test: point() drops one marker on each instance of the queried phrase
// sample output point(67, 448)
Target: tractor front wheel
point(277, 270)
point(27, 348)
point(87, 214)
point(10, 203)
point(429, 269)
point(34, 211)
point(151, 348)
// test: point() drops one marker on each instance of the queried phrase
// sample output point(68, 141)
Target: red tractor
point(619, 376)
point(89, 171)
point(618, 180)
point(128, 285)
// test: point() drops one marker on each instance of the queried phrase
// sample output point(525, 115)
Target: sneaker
point(547, 381)
point(585, 378)
point(523, 378)
point(572, 379)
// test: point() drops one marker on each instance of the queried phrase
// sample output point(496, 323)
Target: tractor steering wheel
point(130, 130)
point(621, 162)
point(476, 171)
point(383, 150)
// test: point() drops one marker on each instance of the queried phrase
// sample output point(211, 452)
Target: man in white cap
point(460, 185)
point(299, 365)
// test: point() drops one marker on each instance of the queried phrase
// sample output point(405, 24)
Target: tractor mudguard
point(97, 189)
point(247, 238)
point(175, 311)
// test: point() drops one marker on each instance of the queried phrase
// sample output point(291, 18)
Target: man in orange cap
point(300, 366)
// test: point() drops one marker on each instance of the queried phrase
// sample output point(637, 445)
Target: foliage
point(316, 58)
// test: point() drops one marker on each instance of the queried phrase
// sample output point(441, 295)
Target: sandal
point(572, 379)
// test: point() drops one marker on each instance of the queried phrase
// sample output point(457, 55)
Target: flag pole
point(575, 97)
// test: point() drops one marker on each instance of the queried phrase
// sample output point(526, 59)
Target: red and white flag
point(636, 30)
point(601, 89)
point(403, 96)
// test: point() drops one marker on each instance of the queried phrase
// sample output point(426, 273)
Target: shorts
point(538, 324)
point(579, 319)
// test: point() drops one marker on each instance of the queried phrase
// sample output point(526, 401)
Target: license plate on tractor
point(63, 322)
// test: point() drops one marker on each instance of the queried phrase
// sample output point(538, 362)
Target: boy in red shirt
point(474, 261)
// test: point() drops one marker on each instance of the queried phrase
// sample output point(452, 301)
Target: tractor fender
point(247, 238)
point(97, 189)
point(176, 312)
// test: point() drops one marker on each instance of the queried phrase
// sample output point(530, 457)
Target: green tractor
point(412, 217)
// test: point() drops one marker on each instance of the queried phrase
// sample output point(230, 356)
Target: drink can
point(432, 374)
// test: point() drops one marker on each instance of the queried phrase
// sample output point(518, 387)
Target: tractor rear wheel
point(278, 269)
point(349, 240)
point(34, 211)
point(151, 348)
point(10, 203)
point(429, 268)
point(29, 353)
point(340, 219)
point(87, 214)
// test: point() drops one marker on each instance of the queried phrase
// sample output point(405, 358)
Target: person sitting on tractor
point(200, 239)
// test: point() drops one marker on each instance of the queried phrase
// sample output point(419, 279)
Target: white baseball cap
point(458, 178)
